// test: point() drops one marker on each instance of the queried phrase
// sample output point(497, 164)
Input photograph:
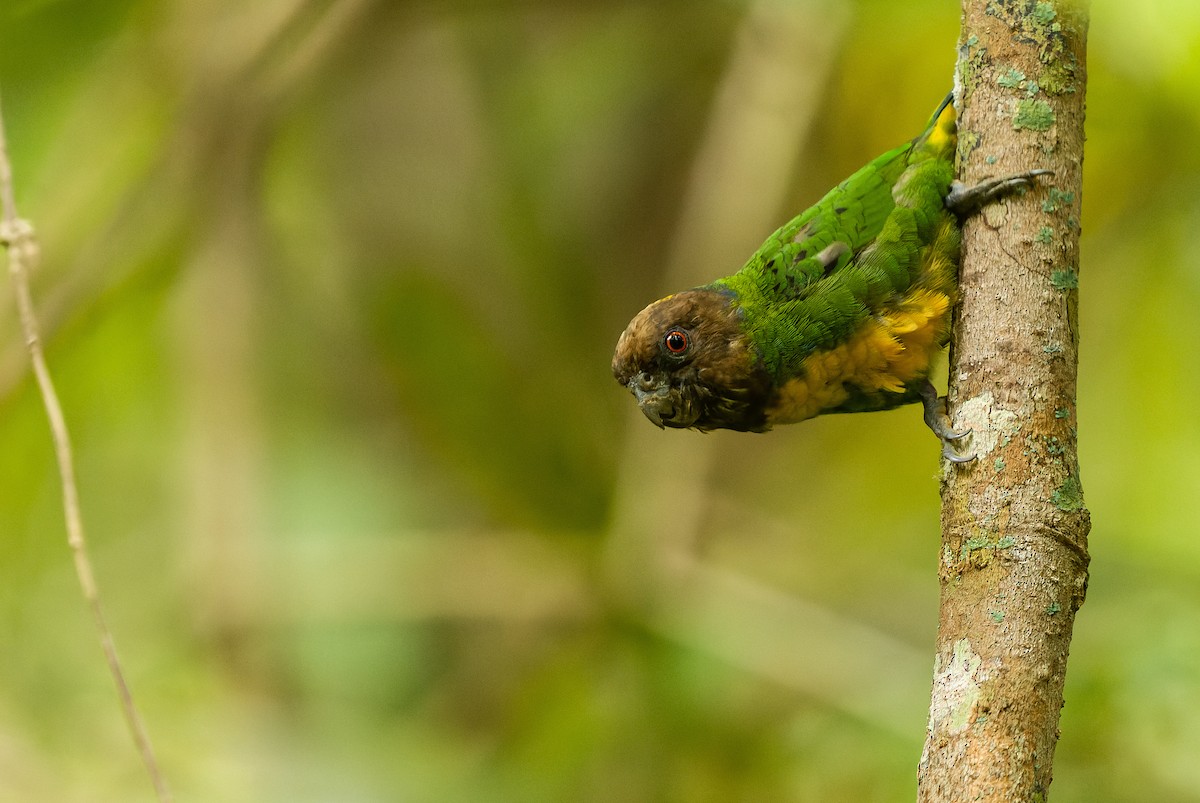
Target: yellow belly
point(888, 351)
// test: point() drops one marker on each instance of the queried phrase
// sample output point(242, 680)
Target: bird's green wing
point(815, 280)
point(824, 237)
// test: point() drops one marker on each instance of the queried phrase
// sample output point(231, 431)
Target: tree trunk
point(1014, 558)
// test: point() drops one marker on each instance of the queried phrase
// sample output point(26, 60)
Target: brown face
point(687, 363)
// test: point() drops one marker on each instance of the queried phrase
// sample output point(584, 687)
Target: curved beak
point(653, 403)
point(664, 405)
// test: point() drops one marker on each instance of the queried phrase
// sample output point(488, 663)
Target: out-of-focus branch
point(763, 110)
point(18, 238)
point(765, 104)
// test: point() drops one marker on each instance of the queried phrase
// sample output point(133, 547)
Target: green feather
point(792, 302)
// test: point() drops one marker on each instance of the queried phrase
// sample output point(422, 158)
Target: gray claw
point(954, 457)
point(953, 435)
point(963, 200)
point(935, 419)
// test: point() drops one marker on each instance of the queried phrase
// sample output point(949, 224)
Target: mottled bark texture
point(1014, 558)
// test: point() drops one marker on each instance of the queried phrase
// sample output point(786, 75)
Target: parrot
point(841, 310)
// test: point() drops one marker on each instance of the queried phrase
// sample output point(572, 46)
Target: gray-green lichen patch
point(1053, 608)
point(1036, 115)
point(1044, 13)
point(1056, 198)
point(1045, 235)
point(1064, 279)
point(1058, 78)
point(1011, 78)
point(968, 141)
point(982, 542)
point(1048, 27)
point(1068, 497)
point(975, 544)
point(970, 67)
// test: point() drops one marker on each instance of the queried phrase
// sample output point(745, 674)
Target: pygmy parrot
point(841, 310)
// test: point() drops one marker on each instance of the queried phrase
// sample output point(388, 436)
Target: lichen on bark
point(1019, 91)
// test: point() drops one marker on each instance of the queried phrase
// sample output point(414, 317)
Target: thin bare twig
point(18, 238)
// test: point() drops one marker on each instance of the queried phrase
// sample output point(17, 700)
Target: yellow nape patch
point(944, 135)
point(888, 351)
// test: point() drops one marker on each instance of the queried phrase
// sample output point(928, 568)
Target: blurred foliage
point(329, 290)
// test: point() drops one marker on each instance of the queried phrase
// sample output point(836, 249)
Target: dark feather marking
point(804, 232)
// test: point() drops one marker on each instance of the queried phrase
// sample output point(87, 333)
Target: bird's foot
point(964, 201)
point(936, 420)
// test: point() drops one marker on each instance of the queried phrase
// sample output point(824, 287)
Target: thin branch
point(18, 238)
point(1014, 562)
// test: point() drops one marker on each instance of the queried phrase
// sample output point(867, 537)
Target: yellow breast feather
point(888, 351)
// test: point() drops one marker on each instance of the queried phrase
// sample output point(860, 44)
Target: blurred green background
point(330, 291)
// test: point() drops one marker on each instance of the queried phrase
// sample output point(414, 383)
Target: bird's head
point(688, 363)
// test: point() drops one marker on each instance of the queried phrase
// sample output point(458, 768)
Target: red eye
point(676, 341)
